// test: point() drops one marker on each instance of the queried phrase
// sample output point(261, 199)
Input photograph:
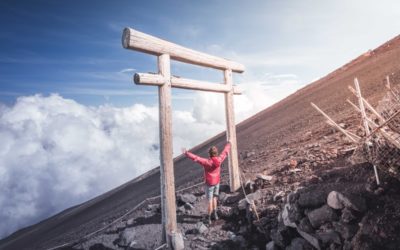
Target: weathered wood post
point(135, 40)
point(166, 161)
point(234, 175)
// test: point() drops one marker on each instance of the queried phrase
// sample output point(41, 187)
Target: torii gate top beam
point(136, 40)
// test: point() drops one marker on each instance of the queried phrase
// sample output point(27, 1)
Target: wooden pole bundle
point(365, 121)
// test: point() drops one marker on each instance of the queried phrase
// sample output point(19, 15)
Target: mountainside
point(263, 143)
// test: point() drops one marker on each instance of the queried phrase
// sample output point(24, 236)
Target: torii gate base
point(135, 40)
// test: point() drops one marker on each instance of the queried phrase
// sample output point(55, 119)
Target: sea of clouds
point(56, 153)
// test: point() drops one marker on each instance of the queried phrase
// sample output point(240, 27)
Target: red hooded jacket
point(212, 165)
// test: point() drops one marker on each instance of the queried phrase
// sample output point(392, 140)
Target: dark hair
point(213, 151)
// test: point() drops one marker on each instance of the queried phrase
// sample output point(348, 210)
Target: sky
point(74, 125)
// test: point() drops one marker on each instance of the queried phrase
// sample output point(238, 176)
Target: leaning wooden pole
point(365, 121)
point(168, 205)
point(234, 176)
point(333, 123)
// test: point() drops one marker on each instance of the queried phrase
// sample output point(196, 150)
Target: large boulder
point(321, 215)
point(312, 199)
point(338, 200)
point(187, 198)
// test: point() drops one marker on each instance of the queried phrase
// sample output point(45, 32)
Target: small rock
point(225, 212)
point(154, 207)
point(264, 177)
point(192, 231)
point(347, 231)
point(279, 195)
point(355, 202)
point(334, 200)
point(130, 222)
point(311, 238)
point(232, 198)
point(321, 215)
point(305, 225)
point(295, 170)
point(282, 236)
point(347, 215)
point(222, 197)
point(187, 198)
point(299, 244)
point(126, 237)
point(285, 217)
point(201, 227)
point(271, 246)
point(148, 213)
point(231, 235)
point(181, 209)
point(330, 237)
point(188, 206)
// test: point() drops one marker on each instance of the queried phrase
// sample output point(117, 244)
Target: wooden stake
point(365, 121)
point(334, 123)
point(234, 176)
point(388, 83)
point(369, 106)
point(168, 205)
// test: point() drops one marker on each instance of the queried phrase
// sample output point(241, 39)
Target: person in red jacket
point(212, 175)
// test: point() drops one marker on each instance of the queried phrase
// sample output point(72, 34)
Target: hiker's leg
point(215, 200)
point(210, 207)
point(209, 195)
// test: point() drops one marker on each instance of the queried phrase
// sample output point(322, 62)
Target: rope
point(74, 243)
point(251, 203)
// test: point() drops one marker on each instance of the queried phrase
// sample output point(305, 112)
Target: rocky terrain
point(303, 191)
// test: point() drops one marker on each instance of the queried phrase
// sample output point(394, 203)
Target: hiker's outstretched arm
point(198, 159)
point(225, 152)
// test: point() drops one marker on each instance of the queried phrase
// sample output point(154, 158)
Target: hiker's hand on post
point(184, 150)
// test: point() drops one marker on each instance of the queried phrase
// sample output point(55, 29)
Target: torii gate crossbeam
point(165, 51)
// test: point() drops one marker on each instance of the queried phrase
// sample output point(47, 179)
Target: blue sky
point(73, 47)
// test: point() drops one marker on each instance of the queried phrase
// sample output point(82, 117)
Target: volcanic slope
point(266, 133)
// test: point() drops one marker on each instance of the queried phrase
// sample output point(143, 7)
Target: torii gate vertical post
point(135, 40)
point(166, 161)
point(231, 133)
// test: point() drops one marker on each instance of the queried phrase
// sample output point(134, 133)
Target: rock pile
point(317, 219)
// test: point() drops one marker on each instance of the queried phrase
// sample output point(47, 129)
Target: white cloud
point(56, 153)
point(128, 70)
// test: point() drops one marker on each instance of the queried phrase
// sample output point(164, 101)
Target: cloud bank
point(56, 153)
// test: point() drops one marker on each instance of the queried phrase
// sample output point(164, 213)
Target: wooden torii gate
point(165, 51)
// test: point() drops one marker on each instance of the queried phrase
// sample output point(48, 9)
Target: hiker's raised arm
point(225, 152)
point(196, 158)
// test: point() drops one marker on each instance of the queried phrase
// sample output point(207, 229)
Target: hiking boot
point(215, 215)
point(209, 219)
